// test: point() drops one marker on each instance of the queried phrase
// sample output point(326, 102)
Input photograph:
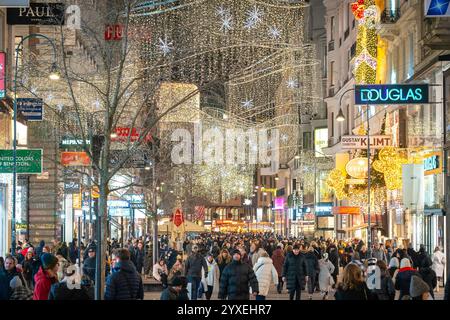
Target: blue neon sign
point(391, 94)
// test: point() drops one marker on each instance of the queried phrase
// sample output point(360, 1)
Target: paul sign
point(392, 94)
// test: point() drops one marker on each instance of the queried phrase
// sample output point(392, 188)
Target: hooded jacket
point(235, 281)
point(213, 278)
point(43, 284)
point(125, 283)
point(294, 269)
point(403, 280)
point(265, 274)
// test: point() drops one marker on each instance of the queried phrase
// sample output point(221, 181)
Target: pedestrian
point(266, 274)
point(255, 251)
point(294, 272)
point(403, 278)
point(194, 265)
point(326, 269)
point(333, 256)
point(379, 253)
point(177, 269)
point(139, 256)
point(245, 258)
point(353, 286)
point(211, 282)
point(89, 264)
point(419, 289)
point(148, 259)
point(125, 283)
point(438, 259)
point(236, 280)
point(312, 270)
point(46, 276)
point(160, 272)
point(10, 271)
point(428, 275)
point(172, 291)
point(73, 251)
point(19, 289)
point(278, 261)
point(27, 268)
point(387, 288)
point(394, 265)
point(223, 260)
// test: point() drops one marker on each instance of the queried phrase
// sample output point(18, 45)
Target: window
point(331, 73)
point(332, 27)
point(411, 56)
point(324, 61)
point(307, 143)
point(332, 124)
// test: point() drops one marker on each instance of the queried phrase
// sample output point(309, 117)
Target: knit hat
point(15, 283)
point(236, 251)
point(325, 256)
point(296, 247)
point(49, 261)
point(394, 262)
point(176, 282)
point(405, 263)
point(418, 287)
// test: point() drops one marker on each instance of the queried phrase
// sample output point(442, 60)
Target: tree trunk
point(101, 237)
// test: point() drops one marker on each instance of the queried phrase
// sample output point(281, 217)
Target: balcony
point(331, 45)
point(390, 16)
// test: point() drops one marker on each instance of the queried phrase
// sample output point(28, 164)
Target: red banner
point(200, 213)
point(124, 133)
point(75, 159)
point(2, 75)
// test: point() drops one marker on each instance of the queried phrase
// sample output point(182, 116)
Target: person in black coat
point(333, 256)
point(194, 265)
point(139, 257)
point(403, 278)
point(428, 275)
point(73, 251)
point(60, 290)
point(312, 270)
point(236, 280)
point(64, 251)
point(294, 271)
point(124, 283)
point(89, 265)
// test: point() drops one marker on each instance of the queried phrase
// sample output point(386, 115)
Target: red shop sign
point(113, 32)
point(123, 133)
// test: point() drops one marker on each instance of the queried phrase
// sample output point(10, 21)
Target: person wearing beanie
point(394, 264)
point(278, 261)
point(46, 276)
point(19, 289)
point(173, 290)
point(403, 278)
point(419, 289)
point(294, 272)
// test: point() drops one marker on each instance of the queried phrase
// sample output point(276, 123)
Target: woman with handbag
point(326, 269)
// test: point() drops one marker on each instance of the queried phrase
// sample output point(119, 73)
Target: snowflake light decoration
point(254, 17)
point(227, 22)
point(50, 97)
point(284, 138)
point(292, 83)
point(248, 103)
point(221, 11)
point(60, 107)
point(165, 46)
point(97, 104)
point(274, 33)
point(33, 90)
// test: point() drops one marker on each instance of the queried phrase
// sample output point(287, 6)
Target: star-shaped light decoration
point(227, 23)
point(254, 17)
point(33, 90)
point(50, 97)
point(284, 138)
point(165, 46)
point(97, 104)
point(247, 103)
point(221, 11)
point(60, 107)
point(274, 33)
point(292, 83)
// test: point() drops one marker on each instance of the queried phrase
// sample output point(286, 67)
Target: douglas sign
point(392, 94)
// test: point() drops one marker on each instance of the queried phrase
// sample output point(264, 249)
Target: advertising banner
point(28, 161)
point(437, 8)
point(2, 75)
point(360, 142)
point(75, 159)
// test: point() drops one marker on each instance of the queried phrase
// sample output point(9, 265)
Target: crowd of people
point(224, 266)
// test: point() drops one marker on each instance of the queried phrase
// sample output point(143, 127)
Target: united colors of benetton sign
point(391, 94)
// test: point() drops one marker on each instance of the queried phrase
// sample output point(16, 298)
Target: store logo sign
point(432, 164)
point(437, 8)
point(391, 94)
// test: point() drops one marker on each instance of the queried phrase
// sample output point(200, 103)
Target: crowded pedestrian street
point(229, 156)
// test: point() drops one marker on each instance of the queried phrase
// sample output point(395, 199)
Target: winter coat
point(5, 290)
point(387, 288)
point(73, 253)
point(361, 292)
point(379, 254)
point(438, 259)
point(139, 257)
point(60, 291)
point(40, 248)
point(125, 283)
point(429, 276)
point(169, 294)
point(43, 283)
point(265, 274)
point(294, 270)
point(403, 280)
point(326, 269)
point(278, 260)
point(158, 270)
point(312, 264)
point(21, 293)
point(194, 265)
point(333, 257)
point(236, 279)
point(246, 259)
point(27, 269)
point(89, 266)
point(222, 266)
point(213, 278)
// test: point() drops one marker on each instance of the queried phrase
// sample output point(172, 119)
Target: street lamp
point(54, 75)
point(340, 118)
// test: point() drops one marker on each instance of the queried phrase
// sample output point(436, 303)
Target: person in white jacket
point(211, 281)
point(265, 274)
point(160, 272)
point(438, 266)
point(325, 275)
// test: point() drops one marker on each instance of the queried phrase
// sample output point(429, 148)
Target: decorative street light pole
point(340, 118)
point(54, 75)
